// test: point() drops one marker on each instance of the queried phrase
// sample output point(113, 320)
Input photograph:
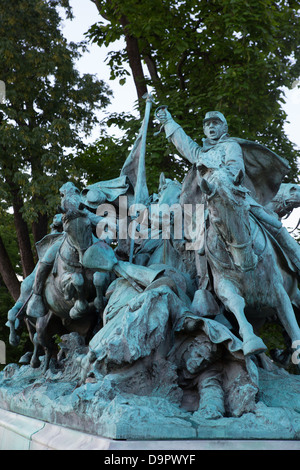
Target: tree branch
point(7, 273)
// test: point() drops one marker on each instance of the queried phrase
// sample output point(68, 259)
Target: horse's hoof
point(45, 369)
point(76, 314)
point(35, 363)
point(14, 340)
point(79, 310)
point(25, 359)
point(254, 345)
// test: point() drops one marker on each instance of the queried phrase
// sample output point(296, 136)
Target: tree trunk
point(7, 273)
point(151, 65)
point(24, 243)
point(133, 52)
point(135, 61)
point(40, 227)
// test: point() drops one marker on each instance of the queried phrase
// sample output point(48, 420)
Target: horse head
point(286, 199)
point(78, 229)
point(229, 216)
point(168, 191)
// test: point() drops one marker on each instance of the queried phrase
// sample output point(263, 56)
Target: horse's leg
point(14, 339)
point(35, 361)
point(35, 338)
point(81, 305)
point(36, 307)
point(40, 324)
point(13, 321)
point(296, 299)
point(44, 340)
point(99, 283)
point(235, 303)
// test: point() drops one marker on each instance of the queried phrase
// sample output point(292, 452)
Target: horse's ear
point(199, 178)
point(239, 178)
point(162, 180)
point(205, 186)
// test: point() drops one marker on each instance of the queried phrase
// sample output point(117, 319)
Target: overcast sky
point(86, 14)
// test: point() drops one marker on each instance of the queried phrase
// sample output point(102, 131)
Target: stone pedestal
point(19, 432)
point(93, 408)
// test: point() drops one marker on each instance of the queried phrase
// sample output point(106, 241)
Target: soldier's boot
point(211, 404)
point(36, 307)
point(290, 246)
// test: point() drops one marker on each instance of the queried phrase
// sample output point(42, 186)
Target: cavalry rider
point(88, 200)
point(261, 169)
point(36, 307)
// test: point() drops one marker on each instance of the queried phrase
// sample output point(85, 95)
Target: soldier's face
point(214, 128)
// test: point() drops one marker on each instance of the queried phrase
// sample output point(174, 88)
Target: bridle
point(240, 246)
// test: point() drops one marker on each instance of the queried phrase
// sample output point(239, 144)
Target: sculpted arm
point(234, 161)
point(188, 148)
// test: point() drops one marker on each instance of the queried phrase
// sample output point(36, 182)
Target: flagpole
point(141, 167)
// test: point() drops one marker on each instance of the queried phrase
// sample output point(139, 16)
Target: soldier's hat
point(214, 115)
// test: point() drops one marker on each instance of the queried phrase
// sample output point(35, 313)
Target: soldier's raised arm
point(186, 146)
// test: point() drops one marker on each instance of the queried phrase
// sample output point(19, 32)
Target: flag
point(134, 166)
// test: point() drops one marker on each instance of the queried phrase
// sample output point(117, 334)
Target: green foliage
point(5, 304)
point(229, 55)
point(49, 106)
point(8, 236)
point(48, 103)
point(104, 159)
point(272, 336)
point(13, 354)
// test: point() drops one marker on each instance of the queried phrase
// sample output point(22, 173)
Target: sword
point(24, 305)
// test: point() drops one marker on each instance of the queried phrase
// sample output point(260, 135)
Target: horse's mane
point(72, 214)
point(234, 193)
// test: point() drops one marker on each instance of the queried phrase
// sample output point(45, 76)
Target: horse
point(286, 200)
point(73, 295)
point(251, 276)
point(165, 247)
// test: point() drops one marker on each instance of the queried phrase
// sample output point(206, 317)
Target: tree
point(48, 107)
point(228, 55)
point(10, 265)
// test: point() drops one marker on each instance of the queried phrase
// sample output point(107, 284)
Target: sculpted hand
point(163, 115)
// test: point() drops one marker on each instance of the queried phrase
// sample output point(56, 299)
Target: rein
point(241, 246)
point(231, 265)
point(73, 264)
